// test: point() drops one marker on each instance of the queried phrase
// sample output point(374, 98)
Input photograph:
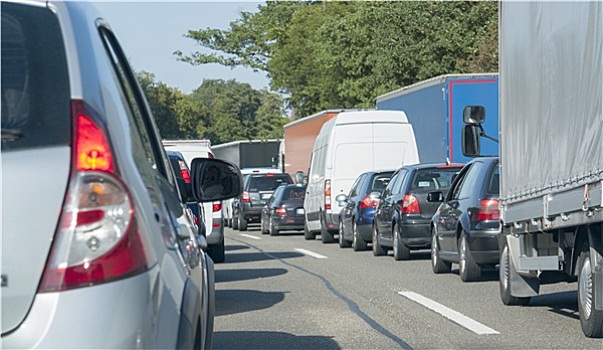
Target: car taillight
point(281, 211)
point(327, 194)
point(410, 205)
point(368, 202)
point(97, 240)
point(487, 210)
point(186, 175)
point(216, 206)
point(245, 198)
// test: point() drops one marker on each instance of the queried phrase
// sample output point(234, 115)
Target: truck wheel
point(308, 236)
point(378, 250)
point(358, 243)
point(591, 319)
point(273, 231)
point(469, 270)
point(504, 280)
point(437, 264)
point(242, 223)
point(325, 235)
point(343, 243)
point(216, 252)
point(401, 251)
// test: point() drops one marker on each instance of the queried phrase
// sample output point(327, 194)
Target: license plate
point(266, 195)
point(300, 211)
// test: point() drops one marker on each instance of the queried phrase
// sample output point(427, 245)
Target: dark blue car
point(356, 217)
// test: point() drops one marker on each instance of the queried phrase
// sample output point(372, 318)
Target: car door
point(391, 202)
point(349, 209)
point(451, 209)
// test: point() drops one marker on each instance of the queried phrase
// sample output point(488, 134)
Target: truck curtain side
point(434, 108)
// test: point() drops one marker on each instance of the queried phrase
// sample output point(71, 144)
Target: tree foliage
point(326, 55)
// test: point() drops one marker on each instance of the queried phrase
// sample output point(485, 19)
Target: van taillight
point(410, 205)
point(186, 175)
point(97, 240)
point(327, 194)
point(245, 198)
point(487, 210)
point(216, 206)
point(368, 202)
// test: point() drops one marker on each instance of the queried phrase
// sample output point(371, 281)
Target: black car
point(284, 210)
point(356, 217)
point(403, 216)
point(466, 226)
point(257, 190)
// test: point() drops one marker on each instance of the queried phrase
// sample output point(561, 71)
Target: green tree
point(161, 100)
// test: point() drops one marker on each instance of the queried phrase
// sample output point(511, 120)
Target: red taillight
point(327, 194)
point(368, 202)
point(410, 205)
point(245, 198)
point(97, 240)
point(487, 210)
point(186, 175)
point(281, 211)
point(216, 206)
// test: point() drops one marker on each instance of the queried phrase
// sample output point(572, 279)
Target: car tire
point(591, 319)
point(401, 251)
point(308, 236)
point(469, 270)
point(273, 231)
point(437, 264)
point(242, 223)
point(378, 250)
point(343, 243)
point(235, 221)
point(263, 228)
point(216, 252)
point(358, 244)
point(504, 280)
point(325, 235)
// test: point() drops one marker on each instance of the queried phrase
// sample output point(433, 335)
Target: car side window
point(356, 185)
point(468, 182)
point(399, 181)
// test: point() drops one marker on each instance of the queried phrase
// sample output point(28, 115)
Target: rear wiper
point(11, 134)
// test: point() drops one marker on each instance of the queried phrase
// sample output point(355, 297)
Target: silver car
point(97, 247)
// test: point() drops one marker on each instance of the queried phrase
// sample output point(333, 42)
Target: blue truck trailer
point(434, 108)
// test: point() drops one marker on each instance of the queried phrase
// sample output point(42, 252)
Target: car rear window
point(433, 179)
point(267, 182)
point(294, 193)
point(380, 181)
point(35, 86)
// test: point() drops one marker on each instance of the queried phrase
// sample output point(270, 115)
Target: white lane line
point(309, 253)
point(249, 236)
point(450, 314)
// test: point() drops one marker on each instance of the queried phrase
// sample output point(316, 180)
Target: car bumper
point(484, 246)
point(416, 234)
point(289, 223)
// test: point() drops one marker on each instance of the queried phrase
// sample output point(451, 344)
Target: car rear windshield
point(267, 182)
point(433, 179)
point(380, 181)
point(35, 85)
point(294, 193)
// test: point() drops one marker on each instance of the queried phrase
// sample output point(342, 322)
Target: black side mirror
point(215, 180)
point(470, 140)
point(435, 196)
point(474, 115)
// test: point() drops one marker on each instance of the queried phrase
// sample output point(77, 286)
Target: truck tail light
point(487, 210)
point(327, 194)
point(410, 205)
point(97, 239)
point(245, 198)
point(184, 172)
point(368, 202)
point(216, 206)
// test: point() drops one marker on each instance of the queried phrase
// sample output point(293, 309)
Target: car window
point(356, 185)
point(294, 193)
point(433, 179)
point(35, 94)
point(397, 188)
point(494, 183)
point(379, 182)
point(469, 181)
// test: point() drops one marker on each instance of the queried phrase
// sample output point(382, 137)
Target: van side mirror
point(470, 140)
point(474, 115)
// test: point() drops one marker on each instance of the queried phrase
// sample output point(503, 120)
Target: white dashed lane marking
point(249, 236)
point(310, 253)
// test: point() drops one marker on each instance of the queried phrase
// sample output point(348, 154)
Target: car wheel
point(504, 280)
point(437, 264)
point(343, 243)
point(401, 251)
point(469, 270)
point(591, 319)
point(378, 250)
point(216, 252)
point(358, 243)
point(235, 221)
point(273, 231)
point(242, 223)
point(229, 222)
point(263, 228)
point(325, 235)
point(308, 236)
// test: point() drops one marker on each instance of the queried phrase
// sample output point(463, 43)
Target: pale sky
point(150, 31)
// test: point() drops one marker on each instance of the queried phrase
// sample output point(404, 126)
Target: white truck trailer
point(551, 151)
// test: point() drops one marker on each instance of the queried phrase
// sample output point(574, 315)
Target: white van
point(348, 145)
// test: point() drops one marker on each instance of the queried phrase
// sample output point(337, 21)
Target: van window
point(36, 109)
